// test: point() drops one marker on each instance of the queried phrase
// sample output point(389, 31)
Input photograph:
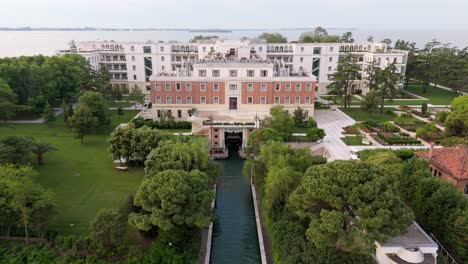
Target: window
point(250, 87)
point(132, 48)
point(168, 86)
point(188, 87)
point(302, 49)
point(317, 50)
point(277, 100)
point(329, 68)
point(298, 87)
point(163, 68)
point(331, 49)
point(296, 100)
point(277, 87)
point(158, 99)
point(250, 100)
point(232, 87)
point(263, 100)
point(146, 49)
point(309, 87)
point(263, 73)
point(288, 87)
point(250, 73)
point(168, 100)
point(330, 59)
point(162, 58)
point(216, 100)
point(215, 73)
point(161, 49)
point(148, 87)
point(233, 73)
point(286, 100)
point(264, 87)
point(307, 100)
point(159, 113)
point(202, 73)
point(202, 87)
point(178, 99)
point(179, 113)
point(260, 49)
point(134, 67)
point(133, 58)
point(202, 100)
point(204, 49)
point(177, 86)
point(157, 87)
point(301, 59)
point(215, 87)
point(188, 99)
point(394, 60)
point(134, 77)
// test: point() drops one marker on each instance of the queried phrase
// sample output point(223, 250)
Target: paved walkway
point(333, 121)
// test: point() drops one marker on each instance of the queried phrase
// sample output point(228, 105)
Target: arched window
point(178, 48)
point(360, 47)
point(290, 48)
point(187, 48)
point(276, 49)
point(281, 49)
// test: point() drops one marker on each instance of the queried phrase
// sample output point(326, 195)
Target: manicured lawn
point(360, 115)
point(82, 177)
point(353, 140)
point(436, 96)
point(119, 104)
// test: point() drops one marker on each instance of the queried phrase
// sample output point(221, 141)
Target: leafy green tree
point(372, 76)
point(16, 149)
point(342, 79)
point(347, 37)
point(264, 135)
point(172, 199)
point(83, 122)
point(136, 96)
point(315, 133)
point(280, 120)
point(370, 102)
point(48, 115)
point(120, 142)
point(273, 37)
point(401, 44)
point(7, 101)
point(108, 227)
point(388, 86)
point(40, 149)
point(424, 108)
point(456, 124)
point(387, 41)
point(370, 39)
point(98, 107)
point(144, 140)
point(178, 155)
point(460, 103)
point(201, 37)
point(68, 113)
point(299, 116)
point(350, 205)
point(280, 182)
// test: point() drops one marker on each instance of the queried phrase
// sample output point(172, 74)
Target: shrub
point(389, 127)
point(441, 116)
point(139, 122)
point(422, 132)
point(314, 134)
point(120, 111)
point(317, 160)
point(311, 122)
point(424, 108)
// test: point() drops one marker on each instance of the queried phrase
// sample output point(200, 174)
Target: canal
point(234, 231)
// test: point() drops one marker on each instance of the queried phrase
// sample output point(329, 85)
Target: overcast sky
point(396, 14)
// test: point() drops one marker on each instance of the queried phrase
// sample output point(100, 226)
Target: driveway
point(333, 121)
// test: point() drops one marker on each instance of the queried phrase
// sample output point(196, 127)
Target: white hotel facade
point(131, 64)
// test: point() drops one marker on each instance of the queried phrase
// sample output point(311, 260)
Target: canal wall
point(261, 244)
point(207, 238)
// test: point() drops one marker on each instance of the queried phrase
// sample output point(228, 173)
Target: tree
point(144, 140)
point(120, 142)
point(40, 149)
point(97, 106)
point(69, 112)
point(373, 75)
point(315, 133)
point(280, 182)
point(273, 37)
point(370, 102)
point(456, 123)
point(7, 101)
point(48, 114)
point(82, 122)
point(176, 154)
point(320, 31)
point(460, 103)
point(387, 41)
point(201, 37)
point(136, 96)
point(16, 149)
point(280, 121)
point(347, 37)
point(108, 227)
point(299, 116)
point(387, 88)
point(172, 199)
point(342, 79)
point(350, 205)
point(404, 45)
point(424, 108)
point(265, 134)
point(370, 39)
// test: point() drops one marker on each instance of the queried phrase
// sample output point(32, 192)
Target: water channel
point(234, 231)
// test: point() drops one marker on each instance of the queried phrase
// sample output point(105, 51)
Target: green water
point(234, 231)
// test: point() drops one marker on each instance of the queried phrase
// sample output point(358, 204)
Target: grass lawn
point(436, 96)
point(98, 184)
point(360, 115)
point(301, 130)
point(353, 140)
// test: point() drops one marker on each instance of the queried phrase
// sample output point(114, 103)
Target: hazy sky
point(414, 14)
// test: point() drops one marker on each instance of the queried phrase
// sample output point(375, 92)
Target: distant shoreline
point(162, 29)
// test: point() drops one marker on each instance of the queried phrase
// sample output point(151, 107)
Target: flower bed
point(373, 126)
point(409, 123)
point(354, 130)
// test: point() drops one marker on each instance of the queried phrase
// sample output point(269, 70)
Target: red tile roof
point(452, 160)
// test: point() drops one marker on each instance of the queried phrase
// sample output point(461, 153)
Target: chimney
point(431, 150)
